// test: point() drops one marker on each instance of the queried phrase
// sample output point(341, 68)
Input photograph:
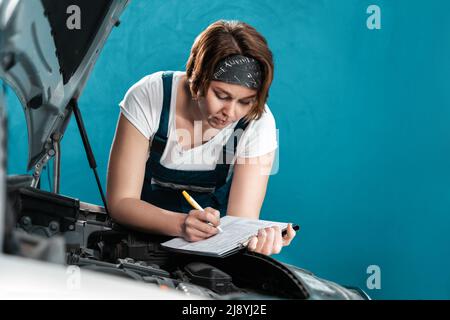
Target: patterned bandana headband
point(239, 70)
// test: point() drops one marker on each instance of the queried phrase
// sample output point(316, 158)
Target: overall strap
point(160, 138)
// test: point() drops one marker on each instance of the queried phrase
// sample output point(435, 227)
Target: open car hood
point(47, 63)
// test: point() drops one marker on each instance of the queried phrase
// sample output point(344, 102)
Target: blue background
point(363, 118)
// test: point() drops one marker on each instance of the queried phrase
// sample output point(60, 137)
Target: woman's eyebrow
point(226, 92)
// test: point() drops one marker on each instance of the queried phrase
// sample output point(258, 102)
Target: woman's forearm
point(146, 217)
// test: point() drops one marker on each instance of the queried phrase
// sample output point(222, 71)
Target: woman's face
point(225, 103)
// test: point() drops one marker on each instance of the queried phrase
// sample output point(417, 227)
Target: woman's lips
point(220, 121)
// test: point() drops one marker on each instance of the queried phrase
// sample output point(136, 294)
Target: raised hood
point(47, 60)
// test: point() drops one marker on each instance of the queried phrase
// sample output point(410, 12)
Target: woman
point(207, 131)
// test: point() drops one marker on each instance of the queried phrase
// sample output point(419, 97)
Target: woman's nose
point(229, 110)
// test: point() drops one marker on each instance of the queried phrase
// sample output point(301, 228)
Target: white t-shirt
point(142, 106)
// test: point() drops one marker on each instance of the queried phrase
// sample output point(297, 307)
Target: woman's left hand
point(269, 240)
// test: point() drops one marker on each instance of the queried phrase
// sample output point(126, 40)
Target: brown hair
point(220, 40)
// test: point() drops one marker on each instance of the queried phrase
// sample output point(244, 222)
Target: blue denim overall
point(215, 181)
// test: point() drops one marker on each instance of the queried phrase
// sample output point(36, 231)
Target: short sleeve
point(261, 137)
point(142, 104)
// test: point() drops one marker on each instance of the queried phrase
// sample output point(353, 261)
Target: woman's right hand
point(196, 224)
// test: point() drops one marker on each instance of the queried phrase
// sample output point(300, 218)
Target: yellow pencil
point(195, 205)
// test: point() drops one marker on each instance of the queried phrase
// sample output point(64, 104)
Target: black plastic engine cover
point(34, 207)
point(208, 276)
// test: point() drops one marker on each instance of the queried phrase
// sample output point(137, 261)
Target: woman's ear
point(194, 95)
point(198, 95)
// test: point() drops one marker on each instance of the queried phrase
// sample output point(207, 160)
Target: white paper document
point(236, 232)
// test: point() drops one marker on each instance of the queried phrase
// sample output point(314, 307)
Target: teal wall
point(363, 118)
